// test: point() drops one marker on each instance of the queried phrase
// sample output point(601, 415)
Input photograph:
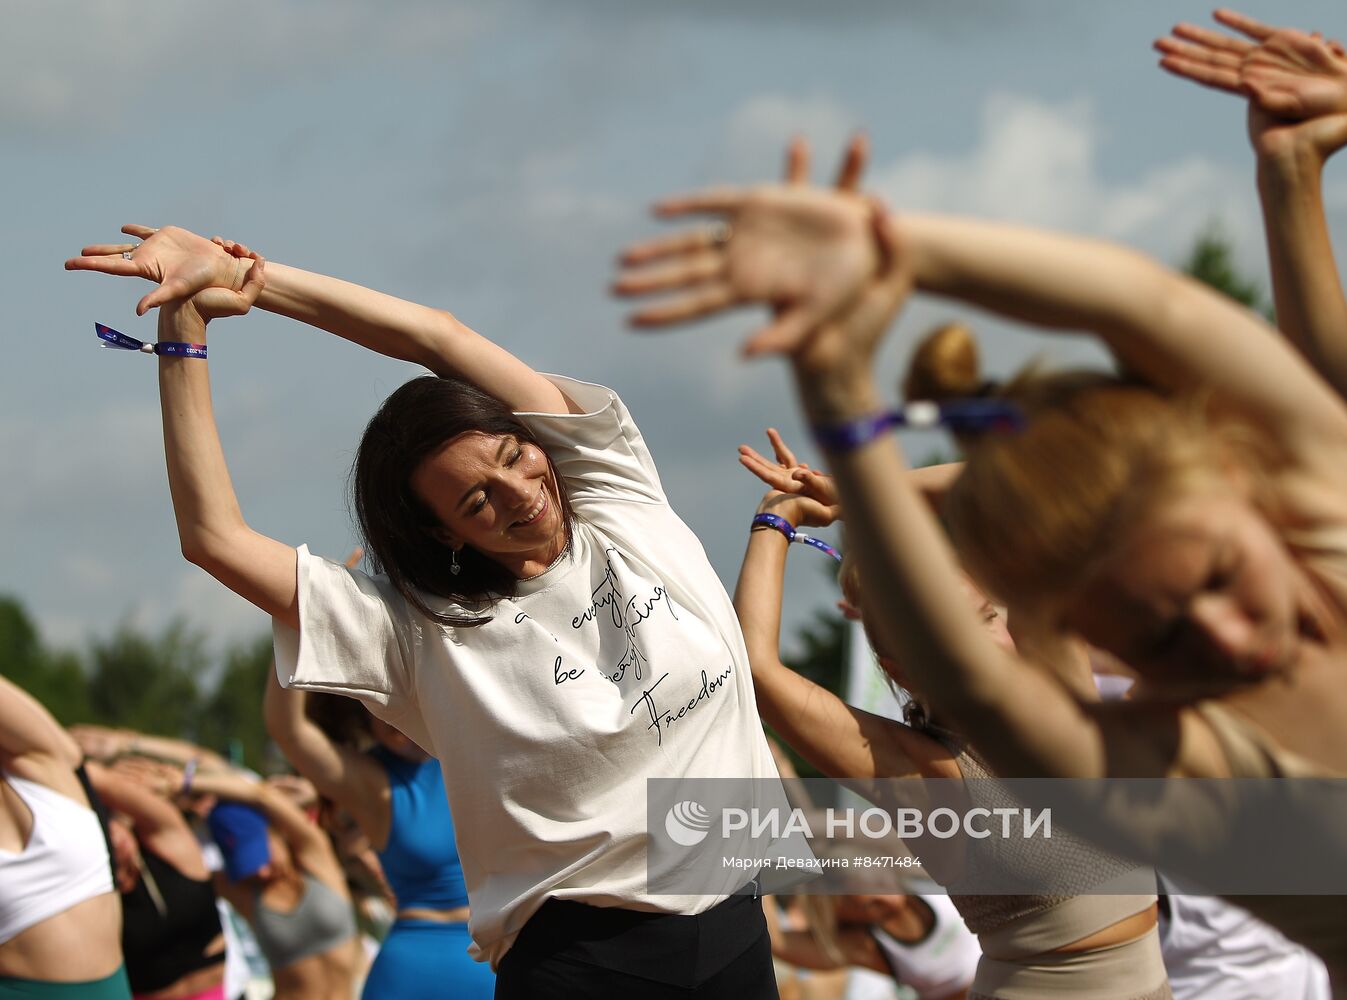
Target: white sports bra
point(64, 862)
point(942, 963)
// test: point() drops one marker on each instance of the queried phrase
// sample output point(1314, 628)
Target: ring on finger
point(721, 233)
point(126, 255)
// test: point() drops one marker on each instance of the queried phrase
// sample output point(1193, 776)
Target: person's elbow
point(213, 548)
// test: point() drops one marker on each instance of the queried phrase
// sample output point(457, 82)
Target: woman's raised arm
point(1024, 721)
point(28, 729)
point(350, 778)
point(1171, 330)
point(184, 264)
point(211, 528)
point(1296, 86)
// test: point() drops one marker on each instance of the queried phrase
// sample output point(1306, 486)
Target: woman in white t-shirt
point(543, 623)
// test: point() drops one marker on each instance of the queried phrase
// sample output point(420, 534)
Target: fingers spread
point(1198, 53)
point(1214, 40)
point(854, 161)
point(721, 199)
point(116, 264)
point(99, 249)
point(782, 335)
point(771, 474)
point(1242, 23)
point(694, 305)
point(174, 288)
point(783, 453)
point(694, 269)
point(668, 246)
point(1204, 73)
point(797, 161)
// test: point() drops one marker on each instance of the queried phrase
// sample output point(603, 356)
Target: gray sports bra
point(321, 920)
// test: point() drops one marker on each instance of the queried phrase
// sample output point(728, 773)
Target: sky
point(490, 159)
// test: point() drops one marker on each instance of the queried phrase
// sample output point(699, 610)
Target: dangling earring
point(454, 567)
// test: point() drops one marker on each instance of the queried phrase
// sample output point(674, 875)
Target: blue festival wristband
point(170, 348)
point(962, 416)
point(774, 521)
point(780, 524)
point(817, 543)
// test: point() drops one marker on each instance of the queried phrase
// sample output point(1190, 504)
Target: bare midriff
point(1128, 929)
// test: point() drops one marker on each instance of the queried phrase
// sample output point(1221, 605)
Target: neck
point(535, 563)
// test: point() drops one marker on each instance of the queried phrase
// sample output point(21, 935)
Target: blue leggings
point(427, 960)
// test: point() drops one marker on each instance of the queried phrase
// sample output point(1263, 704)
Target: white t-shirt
point(622, 662)
point(1214, 950)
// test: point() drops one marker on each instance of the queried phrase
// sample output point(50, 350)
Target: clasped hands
point(210, 274)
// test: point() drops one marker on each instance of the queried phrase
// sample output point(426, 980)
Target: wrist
point(840, 394)
point(777, 506)
point(773, 523)
point(1289, 162)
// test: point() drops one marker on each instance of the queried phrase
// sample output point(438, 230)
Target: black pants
point(570, 949)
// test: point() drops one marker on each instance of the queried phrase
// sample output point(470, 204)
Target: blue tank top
point(421, 859)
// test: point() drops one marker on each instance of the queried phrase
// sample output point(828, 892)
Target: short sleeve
point(600, 452)
point(356, 637)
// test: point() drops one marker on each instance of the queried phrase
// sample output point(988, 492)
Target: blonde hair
point(1033, 512)
point(821, 918)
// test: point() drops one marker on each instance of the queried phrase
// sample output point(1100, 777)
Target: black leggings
point(570, 949)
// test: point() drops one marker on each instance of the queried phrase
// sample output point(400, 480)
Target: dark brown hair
point(399, 530)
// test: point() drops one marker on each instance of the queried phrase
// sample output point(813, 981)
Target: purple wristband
point(854, 433)
point(171, 348)
point(963, 416)
point(774, 521)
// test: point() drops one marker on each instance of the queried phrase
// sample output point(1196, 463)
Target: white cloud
point(1039, 163)
point(758, 129)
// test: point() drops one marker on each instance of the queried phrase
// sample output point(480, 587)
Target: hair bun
point(944, 365)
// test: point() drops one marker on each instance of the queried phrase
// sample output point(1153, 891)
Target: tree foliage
point(152, 683)
point(1212, 261)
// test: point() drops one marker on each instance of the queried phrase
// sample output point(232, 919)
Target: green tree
point(1212, 261)
point(52, 677)
point(231, 716)
point(148, 683)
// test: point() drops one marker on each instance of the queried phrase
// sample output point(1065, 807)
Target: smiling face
point(494, 493)
point(1201, 589)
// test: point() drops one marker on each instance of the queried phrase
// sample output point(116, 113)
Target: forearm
point(841, 741)
point(1311, 309)
point(382, 323)
point(26, 727)
point(232, 786)
point(1024, 722)
point(204, 502)
point(174, 751)
point(149, 813)
point(211, 528)
point(305, 745)
point(1149, 316)
point(283, 710)
point(396, 328)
